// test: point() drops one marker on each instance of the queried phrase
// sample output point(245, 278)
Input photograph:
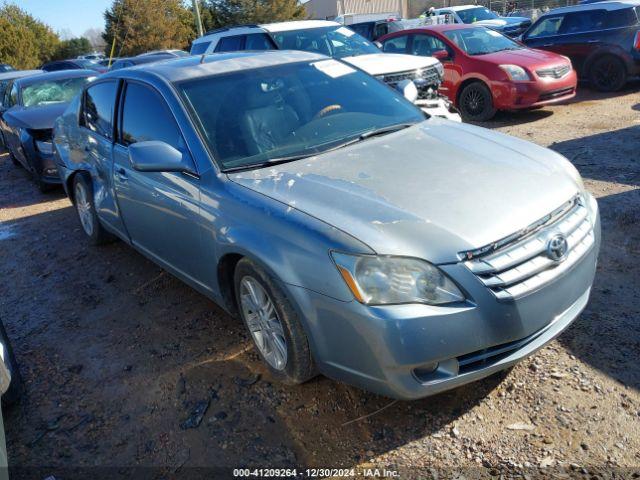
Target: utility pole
point(196, 11)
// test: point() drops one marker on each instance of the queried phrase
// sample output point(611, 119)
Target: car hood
point(36, 118)
point(502, 22)
point(525, 57)
point(383, 63)
point(430, 191)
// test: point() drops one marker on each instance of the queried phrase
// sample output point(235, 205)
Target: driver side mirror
point(441, 55)
point(155, 156)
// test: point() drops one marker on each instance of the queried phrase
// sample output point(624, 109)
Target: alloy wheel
point(474, 102)
point(262, 320)
point(83, 205)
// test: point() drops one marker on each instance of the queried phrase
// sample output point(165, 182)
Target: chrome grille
point(558, 71)
point(428, 75)
point(523, 265)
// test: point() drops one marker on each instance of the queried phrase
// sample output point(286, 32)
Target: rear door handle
point(122, 174)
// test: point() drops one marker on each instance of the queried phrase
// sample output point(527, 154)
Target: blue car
point(353, 236)
point(30, 106)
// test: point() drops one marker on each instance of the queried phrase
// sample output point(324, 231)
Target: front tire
point(476, 103)
point(14, 392)
point(86, 210)
point(273, 324)
point(607, 74)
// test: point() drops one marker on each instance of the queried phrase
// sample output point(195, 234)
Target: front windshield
point(481, 41)
point(252, 117)
point(52, 91)
point(88, 64)
point(473, 15)
point(333, 41)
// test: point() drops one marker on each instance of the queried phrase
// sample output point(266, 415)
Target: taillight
point(636, 41)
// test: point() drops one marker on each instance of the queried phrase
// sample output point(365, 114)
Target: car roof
point(458, 8)
point(197, 66)
point(608, 5)
point(298, 25)
point(19, 74)
point(139, 60)
point(57, 75)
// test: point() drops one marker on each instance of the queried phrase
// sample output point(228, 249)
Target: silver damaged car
point(351, 234)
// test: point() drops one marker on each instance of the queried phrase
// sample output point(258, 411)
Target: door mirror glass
point(156, 156)
point(441, 55)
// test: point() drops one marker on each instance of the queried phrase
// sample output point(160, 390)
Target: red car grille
point(558, 71)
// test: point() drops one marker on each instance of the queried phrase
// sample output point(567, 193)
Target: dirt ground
point(116, 354)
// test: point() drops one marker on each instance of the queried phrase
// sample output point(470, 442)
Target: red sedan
point(485, 71)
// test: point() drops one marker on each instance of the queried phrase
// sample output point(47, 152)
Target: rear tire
point(86, 210)
point(607, 73)
point(476, 103)
point(273, 324)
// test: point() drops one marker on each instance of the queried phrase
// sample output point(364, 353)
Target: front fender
point(291, 245)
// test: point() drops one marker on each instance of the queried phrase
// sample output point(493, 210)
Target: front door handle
point(122, 174)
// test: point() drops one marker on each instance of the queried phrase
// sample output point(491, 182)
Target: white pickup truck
point(417, 77)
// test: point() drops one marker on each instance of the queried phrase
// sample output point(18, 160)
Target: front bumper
point(439, 107)
point(392, 350)
point(533, 94)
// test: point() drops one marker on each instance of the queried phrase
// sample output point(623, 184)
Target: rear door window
point(199, 48)
point(258, 41)
point(426, 45)
point(581, 22)
point(97, 108)
point(396, 44)
point(146, 116)
point(230, 44)
point(380, 29)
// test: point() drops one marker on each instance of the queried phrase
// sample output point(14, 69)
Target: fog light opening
point(424, 371)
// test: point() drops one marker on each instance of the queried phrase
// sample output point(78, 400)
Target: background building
point(329, 9)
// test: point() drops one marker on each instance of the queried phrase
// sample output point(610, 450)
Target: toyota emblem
point(557, 247)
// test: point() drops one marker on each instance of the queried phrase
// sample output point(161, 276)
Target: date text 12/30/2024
point(314, 473)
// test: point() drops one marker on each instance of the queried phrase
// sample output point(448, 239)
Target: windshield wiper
point(385, 130)
point(291, 158)
point(267, 163)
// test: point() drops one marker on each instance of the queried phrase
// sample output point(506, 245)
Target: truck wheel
point(14, 392)
point(273, 324)
point(83, 200)
point(476, 103)
point(607, 73)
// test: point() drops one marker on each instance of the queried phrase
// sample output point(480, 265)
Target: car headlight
point(380, 280)
point(440, 69)
point(516, 73)
point(44, 147)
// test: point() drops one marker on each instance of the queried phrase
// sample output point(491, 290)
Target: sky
point(68, 15)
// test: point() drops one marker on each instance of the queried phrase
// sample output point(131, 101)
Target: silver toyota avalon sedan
point(353, 236)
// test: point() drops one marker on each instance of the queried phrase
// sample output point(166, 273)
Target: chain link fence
point(525, 8)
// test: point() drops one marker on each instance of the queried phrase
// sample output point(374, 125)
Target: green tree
point(72, 48)
point(221, 13)
point(25, 42)
point(140, 26)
